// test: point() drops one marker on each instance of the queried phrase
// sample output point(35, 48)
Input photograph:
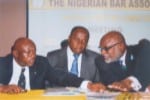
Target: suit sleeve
point(142, 71)
point(61, 78)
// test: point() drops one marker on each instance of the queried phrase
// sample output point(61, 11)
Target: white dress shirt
point(16, 73)
point(70, 60)
point(70, 57)
point(123, 59)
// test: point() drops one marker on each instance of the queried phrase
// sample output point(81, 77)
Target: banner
point(50, 21)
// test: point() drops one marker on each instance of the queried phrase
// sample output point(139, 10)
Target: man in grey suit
point(77, 43)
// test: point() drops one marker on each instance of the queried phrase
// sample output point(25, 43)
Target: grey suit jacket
point(89, 71)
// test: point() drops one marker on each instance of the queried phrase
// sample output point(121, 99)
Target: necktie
point(122, 66)
point(21, 81)
point(74, 68)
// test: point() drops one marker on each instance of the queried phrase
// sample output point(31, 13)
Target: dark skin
point(78, 40)
point(117, 46)
point(24, 52)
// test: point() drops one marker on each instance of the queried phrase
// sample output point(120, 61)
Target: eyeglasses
point(108, 48)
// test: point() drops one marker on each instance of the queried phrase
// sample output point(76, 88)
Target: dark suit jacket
point(39, 73)
point(137, 63)
point(142, 70)
point(89, 71)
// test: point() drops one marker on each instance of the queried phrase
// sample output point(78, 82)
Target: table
point(133, 96)
point(38, 95)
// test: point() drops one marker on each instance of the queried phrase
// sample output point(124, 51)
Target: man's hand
point(124, 85)
point(96, 87)
point(11, 89)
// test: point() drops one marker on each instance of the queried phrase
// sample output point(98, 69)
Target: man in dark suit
point(77, 42)
point(123, 67)
point(36, 70)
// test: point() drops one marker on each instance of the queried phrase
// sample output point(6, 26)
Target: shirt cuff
point(135, 83)
point(84, 85)
point(147, 90)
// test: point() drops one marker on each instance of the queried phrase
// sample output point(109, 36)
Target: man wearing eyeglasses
point(123, 67)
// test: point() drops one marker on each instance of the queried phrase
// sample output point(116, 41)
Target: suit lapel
point(64, 60)
point(84, 65)
point(60, 61)
point(130, 61)
point(33, 76)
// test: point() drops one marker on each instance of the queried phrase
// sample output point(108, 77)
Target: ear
point(15, 53)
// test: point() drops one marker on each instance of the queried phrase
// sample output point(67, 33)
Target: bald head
point(20, 42)
point(112, 46)
point(24, 51)
point(115, 35)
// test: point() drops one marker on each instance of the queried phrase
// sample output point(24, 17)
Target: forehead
point(109, 41)
point(79, 32)
point(22, 45)
point(28, 46)
point(110, 38)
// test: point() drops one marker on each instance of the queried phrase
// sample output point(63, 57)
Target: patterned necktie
point(21, 81)
point(74, 68)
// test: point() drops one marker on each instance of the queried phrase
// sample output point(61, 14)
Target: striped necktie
point(21, 81)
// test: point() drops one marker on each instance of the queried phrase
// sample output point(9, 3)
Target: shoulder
point(140, 50)
point(145, 44)
point(6, 58)
point(91, 53)
point(41, 60)
point(99, 58)
point(6, 62)
point(40, 57)
point(142, 45)
point(56, 52)
point(40, 65)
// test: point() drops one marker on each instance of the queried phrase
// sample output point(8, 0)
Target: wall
point(51, 21)
point(12, 23)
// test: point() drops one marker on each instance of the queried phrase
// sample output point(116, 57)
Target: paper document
point(107, 95)
point(71, 91)
point(61, 91)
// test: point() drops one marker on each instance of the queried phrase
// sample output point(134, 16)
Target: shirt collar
point(123, 57)
point(17, 65)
